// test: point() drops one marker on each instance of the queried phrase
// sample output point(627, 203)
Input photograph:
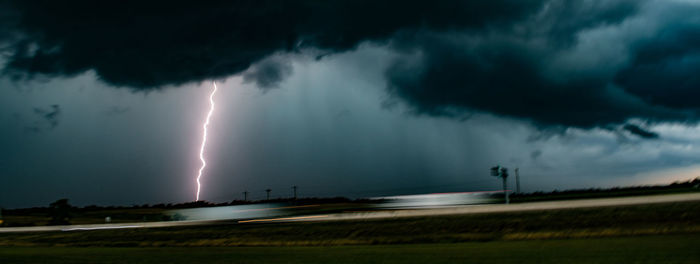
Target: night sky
point(102, 102)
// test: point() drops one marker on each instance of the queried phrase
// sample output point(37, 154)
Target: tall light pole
point(268, 193)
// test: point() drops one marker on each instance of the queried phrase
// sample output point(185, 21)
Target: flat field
point(650, 233)
point(615, 221)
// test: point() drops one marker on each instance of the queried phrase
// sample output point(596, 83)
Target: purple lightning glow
point(204, 140)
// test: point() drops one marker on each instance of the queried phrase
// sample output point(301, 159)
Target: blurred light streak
point(99, 228)
point(283, 219)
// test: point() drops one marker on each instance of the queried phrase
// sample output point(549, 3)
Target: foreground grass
point(642, 249)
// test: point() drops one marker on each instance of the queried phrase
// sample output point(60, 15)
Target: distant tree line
point(60, 211)
point(676, 187)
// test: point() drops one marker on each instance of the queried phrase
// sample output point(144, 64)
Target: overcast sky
point(103, 102)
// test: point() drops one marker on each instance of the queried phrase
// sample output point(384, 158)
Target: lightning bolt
point(204, 139)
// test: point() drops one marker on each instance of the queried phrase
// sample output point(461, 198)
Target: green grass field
point(642, 249)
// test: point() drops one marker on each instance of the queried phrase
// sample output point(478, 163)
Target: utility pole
point(268, 193)
point(505, 185)
point(245, 196)
point(517, 180)
point(295, 191)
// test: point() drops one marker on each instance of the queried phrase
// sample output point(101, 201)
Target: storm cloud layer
point(587, 64)
point(555, 63)
point(146, 45)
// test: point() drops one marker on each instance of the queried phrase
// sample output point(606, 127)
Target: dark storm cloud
point(545, 70)
point(638, 131)
point(666, 69)
point(503, 76)
point(556, 63)
point(154, 43)
point(268, 73)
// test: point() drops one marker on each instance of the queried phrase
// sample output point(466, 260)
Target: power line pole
point(245, 196)
point(268, 193)
point(295, 191)
point(517, 180)
point(505, 184)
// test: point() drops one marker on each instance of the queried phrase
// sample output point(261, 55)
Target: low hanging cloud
point(556, 63)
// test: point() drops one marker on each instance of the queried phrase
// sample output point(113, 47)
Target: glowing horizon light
point(204, 140)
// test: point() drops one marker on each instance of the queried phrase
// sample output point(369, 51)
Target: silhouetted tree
point(59, 211)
